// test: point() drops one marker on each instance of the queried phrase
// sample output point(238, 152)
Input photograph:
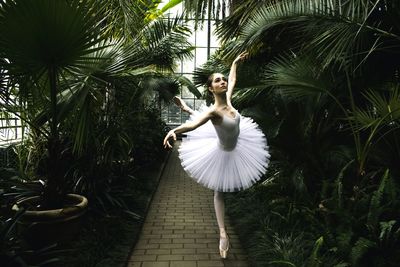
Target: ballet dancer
point(223, 150)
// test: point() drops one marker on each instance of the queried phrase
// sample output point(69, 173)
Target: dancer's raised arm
point(232, 76)
point(188, 126)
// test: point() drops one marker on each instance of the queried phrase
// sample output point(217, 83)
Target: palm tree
point(328, 78)
point(346, 41)
point(63, 65)
point(37, 64)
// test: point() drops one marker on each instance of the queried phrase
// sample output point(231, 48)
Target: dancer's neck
point(220, 100)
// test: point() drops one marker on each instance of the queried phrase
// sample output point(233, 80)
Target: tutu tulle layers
point(206, 161)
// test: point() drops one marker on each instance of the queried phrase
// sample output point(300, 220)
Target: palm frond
point(163, 41)
point(382, 110)
point(39, 34)
point(385, 105)
point(296, 77)
point(170, 4)
point(360, 248)
point(364, 118)
point(124, 18)
point(334, 30)
point(232, 25)
point(165, 86)
point(200, 9)
point(248, 95)
point(84, 123)
point(376, 201)
point(191, 87)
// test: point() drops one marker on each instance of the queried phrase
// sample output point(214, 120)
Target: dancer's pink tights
point(219, 206)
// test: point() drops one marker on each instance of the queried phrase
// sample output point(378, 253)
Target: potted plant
point(53, 54)
point(13, 251)
point(42, 44)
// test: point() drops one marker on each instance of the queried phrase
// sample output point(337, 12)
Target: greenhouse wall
point(205, 44)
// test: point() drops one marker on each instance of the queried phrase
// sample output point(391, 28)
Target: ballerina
point(223, 150)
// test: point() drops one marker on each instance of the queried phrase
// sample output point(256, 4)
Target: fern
point(314, 260)
point(374, 209)
point(386, 229)
point(392, 190)
point(282, 263)
point(343, 264)
point(339, 184)
point(361, 247)
point(344, 240)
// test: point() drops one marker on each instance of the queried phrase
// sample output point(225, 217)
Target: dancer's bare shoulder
point(215, 115)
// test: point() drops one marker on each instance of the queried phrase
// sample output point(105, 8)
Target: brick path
point(180, 228)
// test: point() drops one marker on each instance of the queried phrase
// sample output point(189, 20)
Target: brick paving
point(180, 228)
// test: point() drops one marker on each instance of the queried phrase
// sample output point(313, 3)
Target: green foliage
point(201, 9)
point(69, 76)
point(360, 248)
point(86, 77)
point(125, 18)
point(326, 96)
point(121, 146)
point(10, 249)
point(13, 251)
point(314, 260)
point(160, 39)
point(149, 131)
point(376, 202)
point(107, 240)
point(285, 232)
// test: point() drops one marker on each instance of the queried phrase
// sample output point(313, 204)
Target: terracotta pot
point(44, 227)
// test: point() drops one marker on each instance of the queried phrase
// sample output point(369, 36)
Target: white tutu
point(206, 161)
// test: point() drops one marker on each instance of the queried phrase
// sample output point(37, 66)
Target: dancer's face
point(219, 84)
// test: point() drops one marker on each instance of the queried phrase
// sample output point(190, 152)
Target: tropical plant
point(123, 136)
point(326, 93)
point(334, 72)
point(65, 69)
point(13, 252)
point(10, 253)
point(38, 64)
point(202, 9)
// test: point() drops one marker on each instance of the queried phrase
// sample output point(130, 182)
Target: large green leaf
point(201, 9)
point(341, 32)
point(296, 76)
point(37, 35)
point(163, 41)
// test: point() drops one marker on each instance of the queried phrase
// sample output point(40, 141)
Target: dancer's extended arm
point(232, 76)
point(182, 105)
point(186, 127)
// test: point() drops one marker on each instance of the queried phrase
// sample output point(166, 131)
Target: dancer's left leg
point(219, 206)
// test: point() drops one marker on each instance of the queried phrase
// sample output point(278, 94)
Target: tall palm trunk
point(53, 194)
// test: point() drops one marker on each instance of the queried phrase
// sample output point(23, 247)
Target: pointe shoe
point(180, 103)
point(224, 251)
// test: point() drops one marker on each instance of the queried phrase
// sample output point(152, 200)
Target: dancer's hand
point(241, 57)
point(182, 105)
point(169, 135)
